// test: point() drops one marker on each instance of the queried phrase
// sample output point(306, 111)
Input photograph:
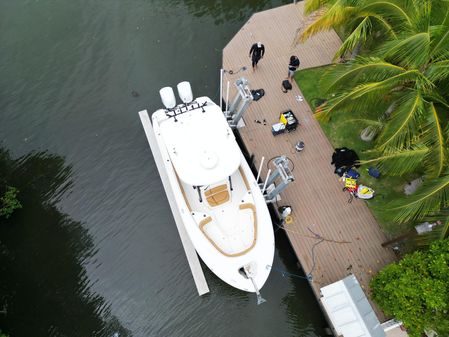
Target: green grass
point(344, 129)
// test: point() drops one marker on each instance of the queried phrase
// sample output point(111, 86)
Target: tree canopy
point(9, 201)
point(416, 290)
point(399, 85)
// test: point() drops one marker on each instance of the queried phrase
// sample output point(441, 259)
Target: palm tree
point(408, 75)
point(361, 21)
point(365, 21)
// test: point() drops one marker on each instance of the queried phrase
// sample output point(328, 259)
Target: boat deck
point(229, 228)
point(320, 208)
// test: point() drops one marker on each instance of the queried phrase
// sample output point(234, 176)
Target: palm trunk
point(356, 51)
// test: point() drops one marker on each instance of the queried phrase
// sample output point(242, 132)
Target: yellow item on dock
point(350, 183)
point(282, 119)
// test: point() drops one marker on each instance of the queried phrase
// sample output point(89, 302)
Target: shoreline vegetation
point(391, 83)
point(401, 289)
point(9, 201)
point(391, 88)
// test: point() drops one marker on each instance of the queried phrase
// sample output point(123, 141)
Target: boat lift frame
point(283, 172)
point(240, 103)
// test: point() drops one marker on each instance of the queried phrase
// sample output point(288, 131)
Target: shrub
point(9, 202)
point(416, 290)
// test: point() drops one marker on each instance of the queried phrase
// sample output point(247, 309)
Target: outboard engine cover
point(185, 92)
point(168, 97)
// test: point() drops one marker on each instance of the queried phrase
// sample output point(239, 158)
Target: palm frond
point(438, 71)
point(434, 96)
point(332, 106)
point(440, 12)
point(390, 8)
point(358, 71)
point(352, 101)
point(411, 51)
point(336, 15)
point(421, 14)
point(432, 196)
point(441, 55)
point(444, 229)
point(358, 36)
point(365, 96)
point(313, 5)
point(399, 162)
point(388, 27)
point(444, 10)
point(436, 140)
point(421, 82)
point(440, 40)
point(403, 123)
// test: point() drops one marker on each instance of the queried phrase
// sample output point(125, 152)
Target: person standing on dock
point(256, 53)
point(292, 66)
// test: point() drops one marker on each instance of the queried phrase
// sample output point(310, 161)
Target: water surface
point(95, 249)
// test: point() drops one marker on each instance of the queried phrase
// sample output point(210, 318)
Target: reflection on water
point(44, 289)
point(227, 10)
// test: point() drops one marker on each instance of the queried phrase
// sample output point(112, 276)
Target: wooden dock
point(352, 236)
point(189, 249)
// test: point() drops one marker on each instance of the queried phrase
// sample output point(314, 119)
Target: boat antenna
point(266, 181)
point(260, 169)
point(227, 98)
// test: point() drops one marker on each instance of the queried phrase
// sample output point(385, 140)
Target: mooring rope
point(284, 272)
point(316, 236)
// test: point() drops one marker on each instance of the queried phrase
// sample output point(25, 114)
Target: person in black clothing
point(292, 66)
point(256, 53)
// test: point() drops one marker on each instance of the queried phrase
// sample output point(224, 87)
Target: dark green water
point(95, 250)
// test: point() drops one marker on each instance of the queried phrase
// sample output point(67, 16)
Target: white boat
point(221, 205)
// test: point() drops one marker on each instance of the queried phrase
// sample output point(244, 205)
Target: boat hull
point(227, 268)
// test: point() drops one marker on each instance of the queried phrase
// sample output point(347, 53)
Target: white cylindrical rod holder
point(260, 168)
point(227, 97)
point(266, 180)
point(221, 88)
